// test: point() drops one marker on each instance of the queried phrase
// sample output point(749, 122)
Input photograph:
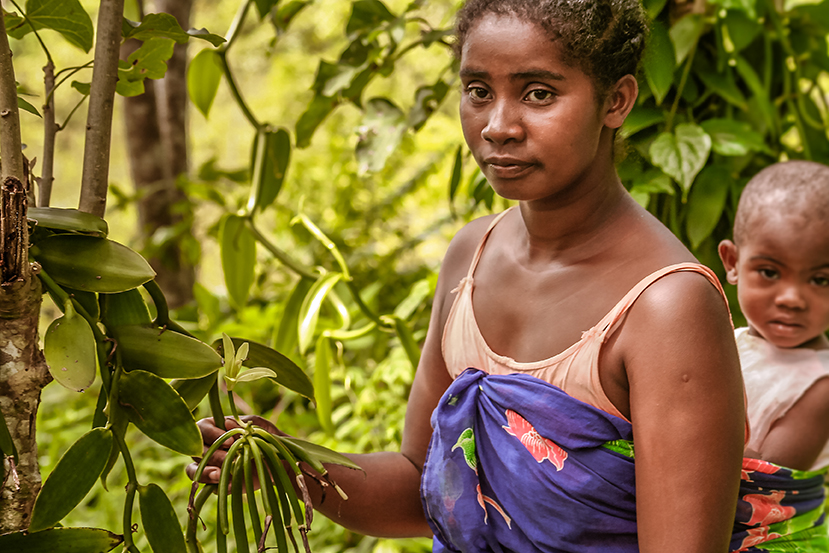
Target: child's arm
point(688, 414)
point(796, 439)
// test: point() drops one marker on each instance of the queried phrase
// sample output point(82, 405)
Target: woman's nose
point(503, 125)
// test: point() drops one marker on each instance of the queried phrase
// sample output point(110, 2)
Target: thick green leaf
point(7, 446)
point(92, 264)
point(165, 353)
point(160, 521)
point(26, 106)
point(659, 61)
point(288, 374)
point(322, 382)
point(740, 29)
point(72, 478)
point(723, 84)
point(381, 129)
point(264, 6)
point(706, 202)
point(272, 155)
point(641, 118)
point(70, 351)
point(83, 88)
point(194, 390)
point(125, 308)
point(323, 454)
point(733, 138)
point(70, 220)
point(159, 412)
point(314, 115)
point(457, 173)
point(682, 154)
point(61, 540)
point(287, 336)
point(203, 77)
point(685, 34)
point(366, 15)
point(164, 25)
point(238, 250)
point(311, 305)
point(64, 16)
point(419, 292)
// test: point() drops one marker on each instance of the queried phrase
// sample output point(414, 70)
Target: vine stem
point(669, 123)
point(281, 255)
point(132, 487)
point(234, 91)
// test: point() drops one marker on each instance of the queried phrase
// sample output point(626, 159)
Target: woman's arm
point(688, 413)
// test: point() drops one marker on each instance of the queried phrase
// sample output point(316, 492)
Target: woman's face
point(533, 123)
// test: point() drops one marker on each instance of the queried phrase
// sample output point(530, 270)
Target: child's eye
point(770, 274)
point(820, 280)
point(539, 95)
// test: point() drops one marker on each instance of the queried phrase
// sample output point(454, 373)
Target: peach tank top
point(575, 370)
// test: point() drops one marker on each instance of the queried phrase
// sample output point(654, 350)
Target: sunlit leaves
point(272, 153)
point(734, 138)
point(659, 61)
point(203, 77)
point(64, 16)
point(685, 35)
point(382, 128)
point(238, 252)
point(164, 25)
point(147, 62)
point(367, 15)
point(310, 309)
point(682, 154)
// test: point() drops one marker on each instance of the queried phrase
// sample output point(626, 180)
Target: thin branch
point(50, 129)
point(94, 182)
point(10, 142)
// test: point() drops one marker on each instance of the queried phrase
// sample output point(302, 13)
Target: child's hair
point(603, 38)
point(800, 187)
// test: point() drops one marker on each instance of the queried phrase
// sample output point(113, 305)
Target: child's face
point(532, 122)
point(781, 270)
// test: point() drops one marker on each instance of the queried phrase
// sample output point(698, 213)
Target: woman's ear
point(620, 101)
point(729, 256)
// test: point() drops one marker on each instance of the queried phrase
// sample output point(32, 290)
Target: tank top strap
point(618, 312)
point(480, 250)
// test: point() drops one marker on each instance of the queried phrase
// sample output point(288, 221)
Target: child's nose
point(791, 297)
point(503, 125)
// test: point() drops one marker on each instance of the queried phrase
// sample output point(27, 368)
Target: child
point(579, 317)
point(779, 260)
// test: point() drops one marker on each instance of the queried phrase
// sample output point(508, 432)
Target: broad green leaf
point(238, 251)
point(287, 337)
point(128, 89)
point(641, 118)
point(273, 154)
point(722, 84)
point(165, 353)
point(70, 220)
point(160, 521)
point(125, 308)
point(457, 172)
point(653, 181)
point(69, 348)
point(264, 6)
point(740, 29)
point(203, 77)
point(288, 374)
point(366, 15)
point(419, 292)
point(61, 540)
point(427, 100)
point(685, 34)
point(311, 305)
point(314, 115)
point(733, 138)
point(659, 61)
point(706, 203)
point(164, 25)
point(322, 382)
point(159, 412)
point(322, 453)
point(147, 62)
point(682, 154)
point(381, 130)
point(750, 77)
point(71, 479)
point(92, 264)
point(26, 106)
point(64, 16)
point(194, 390)
point(83, 88)
point(7, 446)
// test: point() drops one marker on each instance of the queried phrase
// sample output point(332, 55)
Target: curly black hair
point(603, 38)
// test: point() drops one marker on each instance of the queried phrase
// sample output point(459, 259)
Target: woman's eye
point(539, 95)
point(477, 93)
point(770, 274)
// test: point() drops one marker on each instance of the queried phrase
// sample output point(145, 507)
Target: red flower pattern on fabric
point(756, 536)
point(766, 509)
point(540, 447)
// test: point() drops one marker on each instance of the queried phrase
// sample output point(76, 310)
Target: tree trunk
point(156, 141)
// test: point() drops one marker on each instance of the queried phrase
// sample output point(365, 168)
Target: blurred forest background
point(727, 87)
